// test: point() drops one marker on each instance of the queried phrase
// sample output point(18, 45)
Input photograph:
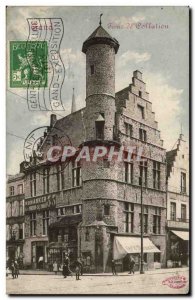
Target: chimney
point(53, 119)
point(73, 108)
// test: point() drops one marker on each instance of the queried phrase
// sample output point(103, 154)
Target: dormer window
point(92, 69)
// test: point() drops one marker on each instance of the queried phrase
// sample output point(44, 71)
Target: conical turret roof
point(100, 36)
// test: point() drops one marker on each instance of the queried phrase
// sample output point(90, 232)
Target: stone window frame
point(173, 210)
point(156, 221)
point(156, 174)
point(128, 129)
point(142, 135)
point(129, 217)
point(45, 221)
point(33, 184)
point(92, 69)
point(11, 190)
point(128, 178)
point(46, 178)
point(143, 170)
point(76, 174)
point(33, 223)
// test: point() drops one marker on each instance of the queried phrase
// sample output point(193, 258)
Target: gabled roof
point(100, 36)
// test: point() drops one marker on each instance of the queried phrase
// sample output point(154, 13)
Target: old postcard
point(97, 150)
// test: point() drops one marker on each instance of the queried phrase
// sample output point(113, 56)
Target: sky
point(158, 46)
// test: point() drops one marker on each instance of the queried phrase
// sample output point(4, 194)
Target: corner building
point(97, 209)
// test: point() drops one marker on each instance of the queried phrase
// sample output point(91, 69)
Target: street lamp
point(142, 231)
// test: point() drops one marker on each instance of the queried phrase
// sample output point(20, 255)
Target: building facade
point(83, 208)
point(15, 218)
point(178, 204)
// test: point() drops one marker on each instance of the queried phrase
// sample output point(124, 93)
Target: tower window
point(99, 130)
point(92, 69)
point(106, 210)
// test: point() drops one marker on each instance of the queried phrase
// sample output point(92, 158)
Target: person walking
point(64, 269)
point(113, 267)
point(13, 269)
point(78, 266)
point(16, 269)
point(55, 267)
point(131, 265)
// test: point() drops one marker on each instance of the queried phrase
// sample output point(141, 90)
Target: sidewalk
point(156, 271)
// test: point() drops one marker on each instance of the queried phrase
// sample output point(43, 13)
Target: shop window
point(157, 255)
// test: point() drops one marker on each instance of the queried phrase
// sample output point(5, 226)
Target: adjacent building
point(15, 218)
point(178, 204)
point(93, 209)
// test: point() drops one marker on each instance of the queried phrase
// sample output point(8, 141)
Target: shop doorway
point(40, 256)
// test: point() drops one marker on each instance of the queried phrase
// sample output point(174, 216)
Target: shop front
point(126, 246)
point(178, 248)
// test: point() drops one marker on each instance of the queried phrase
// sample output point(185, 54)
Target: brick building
point(15, 218)
point(178, 204)
point(85, 208)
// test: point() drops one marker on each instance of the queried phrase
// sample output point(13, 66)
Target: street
point(149, 283)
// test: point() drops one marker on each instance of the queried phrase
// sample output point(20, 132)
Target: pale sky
point(162, 55)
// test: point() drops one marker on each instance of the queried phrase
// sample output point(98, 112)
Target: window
point(66, 238)
point(156, 175)
point(157, 255)
point(77, 209)
point(157, 221)
point(128, 129)
point(142, 135)
point(183, 182)
point(106, 209)
point(45, 222)
point(128, 172)
point(11, 209)
point(99, 125)
point(63, 177)
point(45, 181)
point(87, 235)
point(21, 207)
point(21, 232)
point(140, 111)
point(58, 172)
point(143, 169)
point(128, 217)
point(11, 190)
point(145, 220)
point(145, 257)
point(92, 69)
point(33, 184)
point(33, 223)
point(20, 189)
point(140, 94)
point(183, 156)
point(76, 174)
point(183, 212)
point(173, 211)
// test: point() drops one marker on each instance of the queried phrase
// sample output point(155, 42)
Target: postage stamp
point(28, 64)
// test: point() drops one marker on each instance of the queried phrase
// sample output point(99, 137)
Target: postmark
point(37, 146)
point(175, 282)
point(50, 30)
point(28, 61)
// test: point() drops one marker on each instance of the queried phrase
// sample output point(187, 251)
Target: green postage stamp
point(28, 64)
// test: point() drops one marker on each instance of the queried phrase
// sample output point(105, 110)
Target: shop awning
point(127, 244)
point(184, 235)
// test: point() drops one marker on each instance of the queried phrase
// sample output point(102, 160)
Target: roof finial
point(100, 20)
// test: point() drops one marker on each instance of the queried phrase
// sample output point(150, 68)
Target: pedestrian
point(55, 267)
point(78, 266)
point(81, 265)
point(131, 265)
point(64, 269)
point(113, 267)
point(16, 269)
point(13, 269)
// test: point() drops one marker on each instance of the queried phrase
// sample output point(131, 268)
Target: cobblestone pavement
point(130, 284)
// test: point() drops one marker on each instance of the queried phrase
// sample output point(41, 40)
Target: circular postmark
point(44, 148)
point(175, 282)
